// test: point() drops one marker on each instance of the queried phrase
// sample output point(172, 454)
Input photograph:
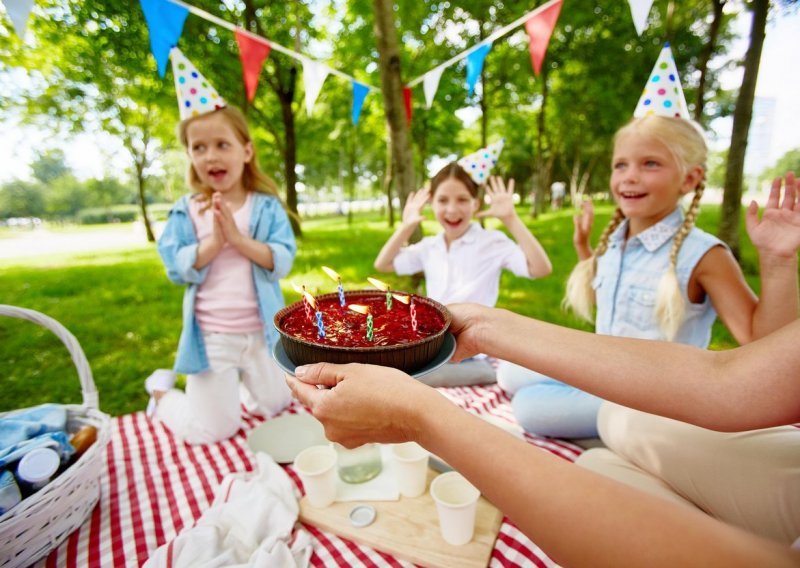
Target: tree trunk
point(742, 115)
point(540, 174)
point(388, 178)
point(392, 88)
point(705, 57)
point(140, 185)
point(290, 154)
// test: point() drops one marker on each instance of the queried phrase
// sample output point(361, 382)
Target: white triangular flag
point(18, 11)
point(640, 9)
point(430, 84)
point(314, 74)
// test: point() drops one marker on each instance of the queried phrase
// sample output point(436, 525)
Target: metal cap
point(362, 515)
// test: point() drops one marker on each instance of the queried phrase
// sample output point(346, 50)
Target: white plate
point(286, 436)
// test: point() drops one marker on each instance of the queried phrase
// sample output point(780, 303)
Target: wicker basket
point(41, 522)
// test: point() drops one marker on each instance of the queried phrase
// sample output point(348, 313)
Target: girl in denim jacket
point(229, 244)
point(654, 275)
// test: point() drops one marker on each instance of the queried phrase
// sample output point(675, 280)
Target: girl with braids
point(229, 244)
point(654, 275)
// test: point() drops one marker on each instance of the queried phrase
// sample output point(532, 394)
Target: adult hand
point(469, 327)
point(501, 199)
point(412, 212)
point(778, 231)
point(364, 403)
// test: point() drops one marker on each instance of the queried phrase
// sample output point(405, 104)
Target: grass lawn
point(127, 315)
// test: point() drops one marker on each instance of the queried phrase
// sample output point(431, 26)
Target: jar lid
point(38, 465)
point(362, 515)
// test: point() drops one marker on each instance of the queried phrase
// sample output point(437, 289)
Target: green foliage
point(127, 315)
point(790, 161)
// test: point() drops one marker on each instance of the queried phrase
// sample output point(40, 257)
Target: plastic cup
point(316, 467)
point(456, 502)
point(412, 468)
point(38, 466)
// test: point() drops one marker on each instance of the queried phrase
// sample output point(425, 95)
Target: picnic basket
point(39, 523)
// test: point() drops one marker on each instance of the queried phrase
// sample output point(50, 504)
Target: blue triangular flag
point(165, 23)
point(475, 65)
point(359, 93)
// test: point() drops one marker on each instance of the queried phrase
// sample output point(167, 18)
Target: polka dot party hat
point(195, 94)
point(479, 165)
point(663, 95)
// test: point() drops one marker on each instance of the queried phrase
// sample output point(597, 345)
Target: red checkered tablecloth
point(153, 486)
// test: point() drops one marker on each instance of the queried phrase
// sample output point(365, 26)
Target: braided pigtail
point(579, 294)
point(670, 304)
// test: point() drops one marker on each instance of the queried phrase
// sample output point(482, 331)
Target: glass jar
point(359, 464)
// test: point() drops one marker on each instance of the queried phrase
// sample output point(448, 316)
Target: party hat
point(480, 164)
point(196, 96)
point(663, 95)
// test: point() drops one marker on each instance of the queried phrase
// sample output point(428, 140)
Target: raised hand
point(501, 199)
point(778, 231)
point(412, 212)
point(583, 229)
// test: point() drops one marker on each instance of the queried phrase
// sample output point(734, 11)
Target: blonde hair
point(684, 140)
point(253, 179)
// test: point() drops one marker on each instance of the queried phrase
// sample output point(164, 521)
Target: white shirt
point(469, 271)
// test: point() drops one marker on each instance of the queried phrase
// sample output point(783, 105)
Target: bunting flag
point(430, 84)
point(663, 94)
point(407, 103)
point(18, 12)
point(479, 165)
point(165, 24)
point(314, 75)
point(196, 96)
point(475, 65)
point(359, 94)
point(540, 28)
point(640, 9)
point(253, 52)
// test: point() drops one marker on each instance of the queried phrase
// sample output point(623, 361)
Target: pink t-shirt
point(226, 299)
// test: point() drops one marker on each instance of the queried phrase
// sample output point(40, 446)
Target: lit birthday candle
point(302, 291)
point(384, 287)
point(364, 310)
point(338, 279)
point(405, 299)
point(313, 303)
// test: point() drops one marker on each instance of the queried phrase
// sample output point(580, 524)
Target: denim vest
point(178, 249)
point(627, 280)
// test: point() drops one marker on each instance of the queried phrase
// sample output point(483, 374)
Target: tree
point(49, 165)
point(20, 198)
point(732, 196)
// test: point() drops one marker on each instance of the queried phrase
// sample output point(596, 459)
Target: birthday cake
point(405, 336)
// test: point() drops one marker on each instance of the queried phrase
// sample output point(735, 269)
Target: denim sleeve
point(279, 238)
point(178, 249)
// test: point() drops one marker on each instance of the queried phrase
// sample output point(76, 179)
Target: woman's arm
point(576, 516)
point(412, 217)
point(755, 386)
point(502, 207)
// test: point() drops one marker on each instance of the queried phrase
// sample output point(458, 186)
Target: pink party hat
point(195, 94)
point(663, 95)
point(479, 165)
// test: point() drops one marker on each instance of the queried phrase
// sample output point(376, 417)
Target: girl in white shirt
point(463, 263)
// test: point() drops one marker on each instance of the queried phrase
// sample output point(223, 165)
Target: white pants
point(209, 410)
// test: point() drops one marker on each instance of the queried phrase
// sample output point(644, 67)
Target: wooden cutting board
point(409, 530)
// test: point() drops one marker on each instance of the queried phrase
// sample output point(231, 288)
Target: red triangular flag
point(407, 103)
point(540, 28)
point(253, 52)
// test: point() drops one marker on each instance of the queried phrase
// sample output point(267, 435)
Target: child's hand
point(223, 218)
point(778, 231)
point(583, 223)
point(412, 212)
point(501, 199)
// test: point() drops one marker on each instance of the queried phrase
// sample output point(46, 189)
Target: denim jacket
point(627, 281)
point(178, 249)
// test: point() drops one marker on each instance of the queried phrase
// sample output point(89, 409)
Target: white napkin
point(383, 487)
